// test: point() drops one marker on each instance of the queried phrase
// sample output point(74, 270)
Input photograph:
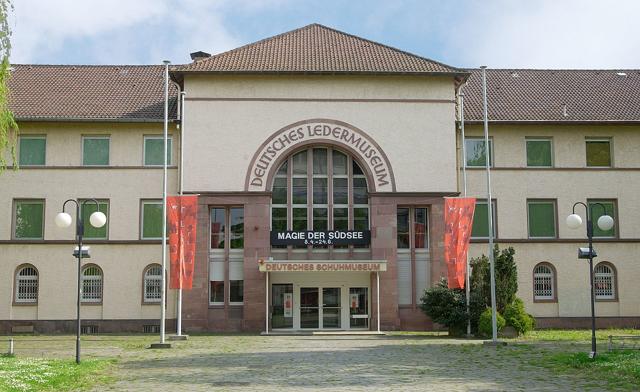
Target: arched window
point(91, 283)
point(320, 188)
point(152, 283)
point(26, 284)
point(544, 282)
point(604, 281)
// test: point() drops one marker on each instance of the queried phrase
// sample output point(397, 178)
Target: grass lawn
point(37, 374)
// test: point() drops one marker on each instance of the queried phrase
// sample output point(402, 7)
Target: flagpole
point(464, 188)
point(163, 299)
point(494, 325)
point(179, 310)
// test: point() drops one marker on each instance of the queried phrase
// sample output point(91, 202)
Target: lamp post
point(605, 222)
point(63, 220)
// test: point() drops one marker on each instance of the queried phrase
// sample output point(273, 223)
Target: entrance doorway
point(320, 307)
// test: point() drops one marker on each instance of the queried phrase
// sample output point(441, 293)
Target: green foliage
point(506, 275)
point(619, 369)
point(485, 323)
point(8, 125)
point(517, 317)
point(446, 306)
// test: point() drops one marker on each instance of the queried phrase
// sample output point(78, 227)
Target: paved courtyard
point(335, 363)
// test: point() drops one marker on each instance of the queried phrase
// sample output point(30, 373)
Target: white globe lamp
point(63, 220)
point(98, 219)
point(605, 223)
point(574, 221)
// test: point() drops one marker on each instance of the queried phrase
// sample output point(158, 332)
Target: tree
point(506, 274)
point(8, 125)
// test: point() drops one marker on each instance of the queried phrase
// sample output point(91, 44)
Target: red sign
point(182, 212)
point(458, 220)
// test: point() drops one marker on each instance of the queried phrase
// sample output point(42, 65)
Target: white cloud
point(549, 34)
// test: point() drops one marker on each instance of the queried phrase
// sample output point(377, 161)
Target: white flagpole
point(464, 188)
point(494, 325)
point(179, 310)
point(163, 300)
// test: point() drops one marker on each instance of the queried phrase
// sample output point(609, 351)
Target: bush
point(446, 306)
point(515, 316)
point(506, 277)
point(484, 323)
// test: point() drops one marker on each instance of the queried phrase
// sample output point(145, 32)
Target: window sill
point(236, 304)
point(151, 302)
point(545, 301)
point(15, 303)
point(606, 299)
point(91, 303)
point(216, 306)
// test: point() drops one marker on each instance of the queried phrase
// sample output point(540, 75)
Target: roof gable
point(318, 49)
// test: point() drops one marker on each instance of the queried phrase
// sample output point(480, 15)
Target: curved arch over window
point(320, 188)
point(92, 278)
point(544, 282)
point(604, 281)
point(152, 283)
point(26, 290)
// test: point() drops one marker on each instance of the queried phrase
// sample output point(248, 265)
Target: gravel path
point(338, 363)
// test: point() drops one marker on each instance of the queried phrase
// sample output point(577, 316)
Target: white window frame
point(27, 281)
point(553, 202)
point(539, 139)
point(151, 280)
point(599, 139)
point(542, 276)
point(169, 149)
point(85, 137)
point(96, 283)
point(494, 212)
point(611, 274)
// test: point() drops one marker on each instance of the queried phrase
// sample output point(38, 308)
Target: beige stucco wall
point(228, 118)
point(568, 182)
point(122, 267)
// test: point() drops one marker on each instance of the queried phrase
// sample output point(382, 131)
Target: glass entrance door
point(309, 309)
point(358, 307)
point(281, 306)
point(331, 309)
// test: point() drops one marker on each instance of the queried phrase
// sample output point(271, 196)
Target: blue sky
point(465, 33)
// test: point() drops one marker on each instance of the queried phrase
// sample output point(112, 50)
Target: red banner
point(182, 213)
point(458, 220)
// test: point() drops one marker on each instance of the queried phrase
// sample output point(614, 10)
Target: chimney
point(199, 55)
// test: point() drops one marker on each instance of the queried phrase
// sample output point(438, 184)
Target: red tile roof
point(87, 92)
point(318, 49)
point(536, 95)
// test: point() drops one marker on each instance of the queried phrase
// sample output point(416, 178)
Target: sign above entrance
point(333, 237)
point(268, 265)
point(350, 138)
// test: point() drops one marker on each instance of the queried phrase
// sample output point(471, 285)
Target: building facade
point(313, 131)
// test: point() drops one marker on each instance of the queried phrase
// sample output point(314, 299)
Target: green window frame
point(32, 150)
point(475, 152)
point(151, 219)
point(539, 152)
point(96, 150)
point(599, 152)
point(480, 227)
point(90, 232)
point(612, 211)
point(153, 149)
point(28, 219)
point(541, 218)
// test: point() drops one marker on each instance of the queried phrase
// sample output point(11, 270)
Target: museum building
point(321, 161)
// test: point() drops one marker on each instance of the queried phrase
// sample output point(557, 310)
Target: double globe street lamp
point(63, 220)
point(605, 223)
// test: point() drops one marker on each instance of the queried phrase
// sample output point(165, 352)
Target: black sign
point(332, 237)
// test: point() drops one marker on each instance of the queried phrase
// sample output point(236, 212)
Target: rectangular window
point(217, 292)
point(154, 148)
point(151, 219)
point(32, 150)
point(539, 152)
point(598, 152)
point(29, 219)
point(95, 150)
point(236, 225)
point(88, 209)
point(597, 211)
point(480, 228)
point(227, 253)
point(476, 152)
point(541, 218)
point(413, 253)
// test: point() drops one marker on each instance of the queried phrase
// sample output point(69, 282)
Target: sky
point(591, 34)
